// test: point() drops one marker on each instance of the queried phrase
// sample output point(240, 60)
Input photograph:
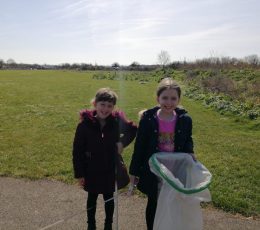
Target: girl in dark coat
point(99, 136)
point(166, 128)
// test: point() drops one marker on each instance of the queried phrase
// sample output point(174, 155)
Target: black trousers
point(150, 211)
point(92, 204)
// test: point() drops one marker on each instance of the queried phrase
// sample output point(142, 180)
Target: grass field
point(39, 113)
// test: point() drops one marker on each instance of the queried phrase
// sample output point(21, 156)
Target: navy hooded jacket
point(146, 145)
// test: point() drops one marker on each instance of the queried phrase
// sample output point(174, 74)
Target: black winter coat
point(146, 145)
point(94, 149)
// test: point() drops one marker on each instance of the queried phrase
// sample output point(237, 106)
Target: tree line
point(163, 60)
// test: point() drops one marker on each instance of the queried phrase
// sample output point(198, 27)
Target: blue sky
point(123, 31)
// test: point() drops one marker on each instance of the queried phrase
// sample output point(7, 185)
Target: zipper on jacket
point(101, 130)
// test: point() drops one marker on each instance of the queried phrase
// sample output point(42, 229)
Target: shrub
point(253, 114)
point(219, 84)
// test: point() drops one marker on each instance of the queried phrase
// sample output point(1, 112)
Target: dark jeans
point(92, 204)
point(150, 211)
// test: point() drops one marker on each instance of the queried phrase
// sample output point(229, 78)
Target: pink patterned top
point(166, 134)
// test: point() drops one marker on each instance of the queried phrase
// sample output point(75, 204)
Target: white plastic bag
point(183, 185)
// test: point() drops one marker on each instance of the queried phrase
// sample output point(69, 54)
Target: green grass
point(229, 149)
point(39, 113)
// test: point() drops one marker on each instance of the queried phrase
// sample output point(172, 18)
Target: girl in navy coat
point(100, 135)
point(165, 128)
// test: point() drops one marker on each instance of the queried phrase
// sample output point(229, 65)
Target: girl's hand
point(120, 147)
point(133, 182)
point(134, 179)
point(193, 156)
point(130, 191)
point(81, 182)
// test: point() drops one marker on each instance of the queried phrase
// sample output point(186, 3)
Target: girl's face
point(168, 100)
point(104, 109)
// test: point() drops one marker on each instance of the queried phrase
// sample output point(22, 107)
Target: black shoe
point(91, 226)
point(108, 226)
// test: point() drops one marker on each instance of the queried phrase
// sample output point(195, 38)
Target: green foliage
point(126, 76)
point(223, 103)
point(141, 77)
point(227, 93)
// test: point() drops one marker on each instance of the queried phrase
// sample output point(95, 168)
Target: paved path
point(33, 205)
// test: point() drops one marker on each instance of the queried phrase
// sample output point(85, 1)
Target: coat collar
point(153, 112)
point(90, 115)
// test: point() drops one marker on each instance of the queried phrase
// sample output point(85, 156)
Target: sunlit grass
point(39, 113)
